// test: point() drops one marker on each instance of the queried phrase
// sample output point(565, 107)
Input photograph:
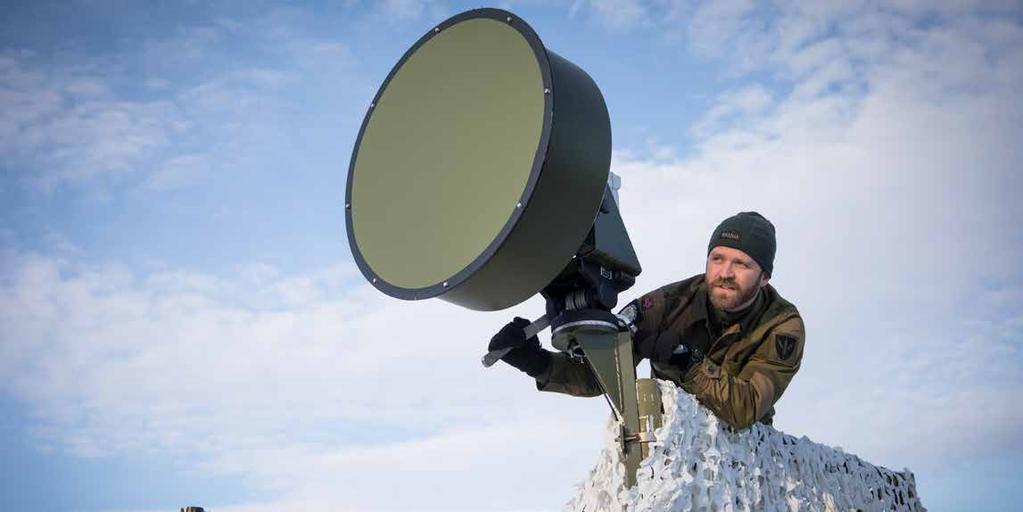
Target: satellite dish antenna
point(480, 176)
point(480, 167)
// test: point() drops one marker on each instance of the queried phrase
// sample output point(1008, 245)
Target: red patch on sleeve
point(648, 302)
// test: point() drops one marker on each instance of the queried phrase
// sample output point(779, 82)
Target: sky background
point(181, 322)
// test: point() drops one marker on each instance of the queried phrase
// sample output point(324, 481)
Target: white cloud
point(731, 105)
point(404, 9)
point(713, 26)
point(175, 172)
point(80, 121)
point(295, 383)
point(63, 125)
point(619, 14)
point(890, 171)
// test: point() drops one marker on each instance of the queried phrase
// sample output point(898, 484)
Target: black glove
point(526, 354)
point(665, 347)
point(656, 346)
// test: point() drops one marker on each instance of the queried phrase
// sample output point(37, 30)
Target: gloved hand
point(629, 316)
point(656, 346)
point(665, 348)
point(526, 354)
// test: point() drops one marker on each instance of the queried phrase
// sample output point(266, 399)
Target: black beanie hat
point(749, 232)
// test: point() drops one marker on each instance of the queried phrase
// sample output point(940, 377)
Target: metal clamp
point(640, 437)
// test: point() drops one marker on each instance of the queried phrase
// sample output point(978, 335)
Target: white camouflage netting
point(699, 464)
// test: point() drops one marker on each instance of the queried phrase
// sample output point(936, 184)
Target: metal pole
point(609, 354)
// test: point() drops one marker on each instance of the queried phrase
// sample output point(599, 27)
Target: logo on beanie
point(731, 235)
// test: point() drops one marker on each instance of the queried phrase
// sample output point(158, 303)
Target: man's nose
point(727, 271)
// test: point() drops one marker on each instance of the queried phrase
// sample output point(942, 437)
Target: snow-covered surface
point(698, 463)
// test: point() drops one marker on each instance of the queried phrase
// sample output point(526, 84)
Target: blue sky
point(181, 321)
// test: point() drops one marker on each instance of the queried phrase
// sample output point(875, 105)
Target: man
point(725, 336)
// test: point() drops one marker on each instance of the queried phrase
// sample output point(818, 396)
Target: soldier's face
point(733, 278)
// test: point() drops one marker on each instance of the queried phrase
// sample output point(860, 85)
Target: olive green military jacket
point(744, 370)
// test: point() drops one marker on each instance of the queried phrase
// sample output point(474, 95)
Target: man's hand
point(665, 348)
point(525, 354)
point(656, 346)
point(629, 316)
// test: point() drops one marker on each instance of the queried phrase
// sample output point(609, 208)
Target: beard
point(732, 296)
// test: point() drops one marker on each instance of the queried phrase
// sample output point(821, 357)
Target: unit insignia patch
point(785, 345)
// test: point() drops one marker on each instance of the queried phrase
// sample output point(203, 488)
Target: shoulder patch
point(648, 302)
point(785, 345)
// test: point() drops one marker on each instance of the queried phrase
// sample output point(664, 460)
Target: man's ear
point(764, 278)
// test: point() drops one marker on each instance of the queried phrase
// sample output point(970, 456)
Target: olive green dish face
point(445, 157)
point(479, 168)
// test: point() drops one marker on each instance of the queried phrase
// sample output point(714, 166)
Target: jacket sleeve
point(568, 377)
point(743, 399)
